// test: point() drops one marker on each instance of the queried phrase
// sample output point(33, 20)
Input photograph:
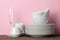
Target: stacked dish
point(39, 30)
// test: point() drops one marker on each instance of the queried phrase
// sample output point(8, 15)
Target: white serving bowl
point(39, 30)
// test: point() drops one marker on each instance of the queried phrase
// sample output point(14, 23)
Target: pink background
point(23, 12)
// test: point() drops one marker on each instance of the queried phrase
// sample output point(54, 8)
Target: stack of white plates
point(39, 30)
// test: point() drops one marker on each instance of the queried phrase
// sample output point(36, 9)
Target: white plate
point(44, 29)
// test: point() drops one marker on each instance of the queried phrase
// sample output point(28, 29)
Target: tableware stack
point(39, 30)
point(40, 26)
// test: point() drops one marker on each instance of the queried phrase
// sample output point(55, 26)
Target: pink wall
point(24, 9)
point(4, 22)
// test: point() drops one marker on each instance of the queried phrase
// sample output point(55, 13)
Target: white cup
point(17, 30)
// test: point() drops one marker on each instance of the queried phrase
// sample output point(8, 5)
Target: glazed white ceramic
point(39, 30)
point(20, 26)
point(40, 17)
point(17, 30)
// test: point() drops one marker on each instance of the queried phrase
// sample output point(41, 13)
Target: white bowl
point(37, 30)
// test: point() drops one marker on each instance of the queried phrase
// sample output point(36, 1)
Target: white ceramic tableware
point(39, 30)
point(40, 17)
point(17, 30)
